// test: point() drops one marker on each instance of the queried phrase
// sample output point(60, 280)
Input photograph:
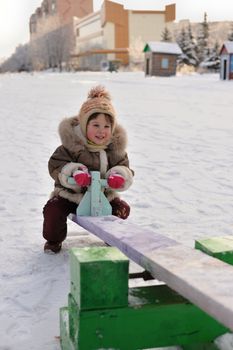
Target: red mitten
point(82, 178)
point(116, 181)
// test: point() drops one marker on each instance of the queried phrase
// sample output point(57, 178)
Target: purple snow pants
point(55, 214)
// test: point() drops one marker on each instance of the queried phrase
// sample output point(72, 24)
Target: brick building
point(53, 14)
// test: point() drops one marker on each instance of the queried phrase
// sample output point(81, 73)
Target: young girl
point(91, 141)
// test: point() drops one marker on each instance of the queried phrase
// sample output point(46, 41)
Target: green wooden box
point(218, 247)
point(99, 277)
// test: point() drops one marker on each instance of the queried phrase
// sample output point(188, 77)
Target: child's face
point(99, 130)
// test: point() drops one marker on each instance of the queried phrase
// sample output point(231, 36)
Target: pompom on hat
point(98, 101)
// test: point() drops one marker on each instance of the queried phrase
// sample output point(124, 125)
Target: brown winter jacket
point(74, 152)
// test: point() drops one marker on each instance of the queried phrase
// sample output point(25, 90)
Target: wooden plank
point(205, 281)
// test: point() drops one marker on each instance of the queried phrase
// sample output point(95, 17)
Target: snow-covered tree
point(212, 61)
point(181, 41)
point(52, 50)
point(191, 47)
point(230, 34)
point(202, 40)
point(19, 61)
point(166, 35)
point(181, 38)
point(136, 51)
point(187, 44)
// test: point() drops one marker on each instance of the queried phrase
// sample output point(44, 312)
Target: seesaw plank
point(205, 281)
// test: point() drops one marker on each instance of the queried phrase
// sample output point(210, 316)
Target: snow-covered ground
point(180, 133)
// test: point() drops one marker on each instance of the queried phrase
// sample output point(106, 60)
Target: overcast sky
point(14, 15)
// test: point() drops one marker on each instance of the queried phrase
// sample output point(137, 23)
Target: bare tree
point(52, 45)
point(136, 52)
point(53, 49)
point(89, 60)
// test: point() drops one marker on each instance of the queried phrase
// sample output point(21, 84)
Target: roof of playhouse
point(163, 47)
point(227, 47)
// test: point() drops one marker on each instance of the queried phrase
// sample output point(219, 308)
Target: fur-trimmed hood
point(74, 141)
point(74, 154)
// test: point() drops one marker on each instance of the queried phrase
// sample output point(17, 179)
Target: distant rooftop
point(228, 46)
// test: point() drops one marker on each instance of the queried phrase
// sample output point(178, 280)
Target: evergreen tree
point(212, 61)
point(181, 41)
point(230, 34)
point(191, 47)
point(202, 40)
point(187, 44)
point(166, 35)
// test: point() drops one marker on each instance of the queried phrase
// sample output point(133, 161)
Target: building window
point(164, 63)
point(32, 28)
point(77, 31)
point(53, 6)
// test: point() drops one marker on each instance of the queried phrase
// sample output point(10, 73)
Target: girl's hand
point(116, 181)
point(82, 178)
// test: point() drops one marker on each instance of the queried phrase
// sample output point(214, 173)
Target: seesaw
point(191, 310)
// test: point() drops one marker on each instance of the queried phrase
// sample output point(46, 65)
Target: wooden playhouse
point(226, 65)
point(161, 58)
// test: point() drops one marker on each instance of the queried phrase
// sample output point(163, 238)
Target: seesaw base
point(155, 316)
point(219, 247)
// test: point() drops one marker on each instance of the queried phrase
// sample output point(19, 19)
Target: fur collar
point(74, 141)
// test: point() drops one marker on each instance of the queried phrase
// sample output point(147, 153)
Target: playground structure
point(193, 308)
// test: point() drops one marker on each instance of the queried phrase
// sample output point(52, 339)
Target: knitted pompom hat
point(98, 101)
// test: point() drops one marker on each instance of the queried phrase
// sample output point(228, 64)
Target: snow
point(180, 132)
point(164, 47)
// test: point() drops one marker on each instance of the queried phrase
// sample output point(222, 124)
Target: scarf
point(92, 147)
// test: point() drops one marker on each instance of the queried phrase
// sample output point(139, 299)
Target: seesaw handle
point(103, 182)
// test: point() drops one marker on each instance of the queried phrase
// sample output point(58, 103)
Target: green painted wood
point(218, 247)
point(99, 277)
point(191, 273)
point(65, 341)
point(147, 48)
point(155, 317)
point(74, 316)
point(94, 202)
point(84, 207)
point(99, 204)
